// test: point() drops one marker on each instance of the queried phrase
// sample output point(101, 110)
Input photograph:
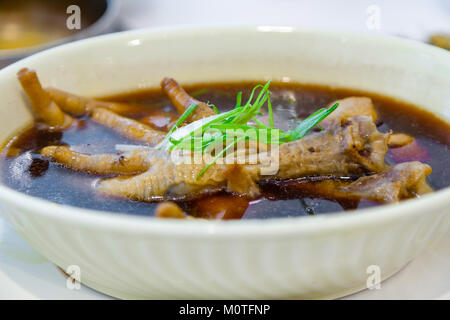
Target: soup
point(411, 141)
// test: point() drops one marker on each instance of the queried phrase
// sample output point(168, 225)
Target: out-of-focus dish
point(441, 40)
point(311, 257)
point(28, 26)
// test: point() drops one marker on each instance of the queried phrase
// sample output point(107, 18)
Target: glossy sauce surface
point(22, 168)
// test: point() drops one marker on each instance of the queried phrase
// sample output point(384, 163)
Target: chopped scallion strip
point(306, 125)
point(217, 157)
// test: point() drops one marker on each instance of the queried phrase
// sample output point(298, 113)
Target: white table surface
point(25, 274)
point(415, 19)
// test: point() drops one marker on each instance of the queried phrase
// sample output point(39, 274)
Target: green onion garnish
point(212, 131)
point(306, 125)
point(217, 157)
point(215, 109)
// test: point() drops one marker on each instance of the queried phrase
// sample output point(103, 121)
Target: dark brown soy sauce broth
point(31, 174)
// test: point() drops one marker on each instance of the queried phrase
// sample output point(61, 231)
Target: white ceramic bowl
point(309, 257)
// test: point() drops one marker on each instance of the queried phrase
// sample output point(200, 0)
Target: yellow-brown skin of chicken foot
point(398, 140)
point(78, 105)
point(182, 100)
point(45, 109)
point(102, 164)
point(127, 127)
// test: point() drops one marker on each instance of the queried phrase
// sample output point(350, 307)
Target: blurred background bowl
point(29, 26)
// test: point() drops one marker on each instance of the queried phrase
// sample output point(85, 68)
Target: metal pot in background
point(48, 23)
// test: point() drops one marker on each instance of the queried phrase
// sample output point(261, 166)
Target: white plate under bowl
point(308, 257)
